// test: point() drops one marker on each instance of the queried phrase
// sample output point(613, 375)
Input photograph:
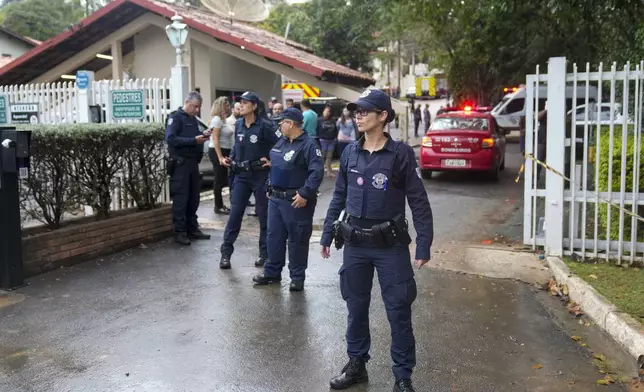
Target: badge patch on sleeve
point(318, 152)
point(278, 133)
point(418, 173)
point(170, 120)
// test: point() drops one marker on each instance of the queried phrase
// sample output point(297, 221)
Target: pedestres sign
point(128, 104)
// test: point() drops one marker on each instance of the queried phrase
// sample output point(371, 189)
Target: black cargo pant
point(185, 187)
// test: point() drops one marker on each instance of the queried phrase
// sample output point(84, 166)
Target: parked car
point(463, 140)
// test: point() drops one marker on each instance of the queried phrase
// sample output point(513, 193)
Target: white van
point(509, 111)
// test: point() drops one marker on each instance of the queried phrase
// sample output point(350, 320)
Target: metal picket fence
point(592, 200)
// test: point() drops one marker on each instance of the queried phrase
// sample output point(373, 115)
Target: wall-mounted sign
point(82, 80)
point(24, 113)
point(128, 104)
point(4, 109)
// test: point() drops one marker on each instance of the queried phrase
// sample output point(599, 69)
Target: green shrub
point(603, 162)
point(78, 164)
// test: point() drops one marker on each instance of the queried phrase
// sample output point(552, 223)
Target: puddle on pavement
point(8, 299)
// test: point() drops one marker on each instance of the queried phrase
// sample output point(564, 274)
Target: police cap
point(248, 96)
point(372, 99)
point(292, 114)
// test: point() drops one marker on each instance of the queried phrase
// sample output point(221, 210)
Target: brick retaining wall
point(81, 242)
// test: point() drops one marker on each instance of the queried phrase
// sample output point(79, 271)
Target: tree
point(489, 44)
point(41, 19)
point(331, 28)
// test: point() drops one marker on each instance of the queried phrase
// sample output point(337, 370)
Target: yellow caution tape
point(544, 165)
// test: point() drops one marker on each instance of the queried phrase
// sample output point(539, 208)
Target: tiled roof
point(120, 12)
point(256, 36)
point(5, 60)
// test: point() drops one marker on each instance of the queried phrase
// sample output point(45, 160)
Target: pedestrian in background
point(296, 173)
point(254, 138)
point(418, 118)
point(185, 150)
point(427, 116)
point(310, 120)
point(376, 175)
point(221, 142)
point(347, 130)
point(328, 135)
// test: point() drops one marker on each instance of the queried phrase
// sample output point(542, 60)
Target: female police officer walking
point(254, 138)
point(376, 174)
point(297, 171)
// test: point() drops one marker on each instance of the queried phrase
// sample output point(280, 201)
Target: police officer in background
point(376, 174)
point(297, 170)
point(185, 140)
point(249, 163)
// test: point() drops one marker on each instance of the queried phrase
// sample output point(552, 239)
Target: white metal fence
point(591, 135)
point(60, 103)
point(156, 93)
point(57, 102)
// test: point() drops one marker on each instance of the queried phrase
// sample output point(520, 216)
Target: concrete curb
point(620, 326)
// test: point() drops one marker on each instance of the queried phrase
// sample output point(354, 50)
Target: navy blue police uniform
point(252, 143)
point(296, 168)
point(183, 166)
point(371, 189)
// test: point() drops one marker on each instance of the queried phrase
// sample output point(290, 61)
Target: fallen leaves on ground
point(575, 309)
point(607, 380)
point(593, 276)
point(537, 366)
point(576, 338)
point(600, 357)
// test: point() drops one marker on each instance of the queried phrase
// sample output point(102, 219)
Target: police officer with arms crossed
point(297, 170)
point(184, 142)
point(254, 138)
point(376, 174)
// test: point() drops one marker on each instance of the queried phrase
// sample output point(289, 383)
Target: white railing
point(57, 101)
point(59, 104)
point(156, 92)
point(592, 200)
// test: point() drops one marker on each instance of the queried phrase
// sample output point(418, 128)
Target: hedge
point(603, 161)
point(77, 164)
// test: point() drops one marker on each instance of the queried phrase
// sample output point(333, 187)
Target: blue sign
point(82, 79)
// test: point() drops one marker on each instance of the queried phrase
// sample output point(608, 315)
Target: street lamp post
point(177, 33)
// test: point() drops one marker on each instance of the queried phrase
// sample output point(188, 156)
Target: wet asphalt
point(163, 319)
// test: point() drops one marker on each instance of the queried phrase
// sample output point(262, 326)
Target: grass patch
point(622, 286)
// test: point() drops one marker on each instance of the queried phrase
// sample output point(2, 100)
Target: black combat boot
point(262, 279)
point(198, 235)
point(224, 263)
point(261, 261)
point(354, 372)
point(403, 386)
point(181, 239)
point(296, 285)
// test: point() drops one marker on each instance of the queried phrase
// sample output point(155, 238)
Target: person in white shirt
point(221, 142)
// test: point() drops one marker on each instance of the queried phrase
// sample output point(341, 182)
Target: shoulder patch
point(418, 173)
point(170, 121)
point(318, 152)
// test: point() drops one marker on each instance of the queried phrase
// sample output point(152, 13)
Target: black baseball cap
point(248, 96)
point(292, 114)
point(372, 99)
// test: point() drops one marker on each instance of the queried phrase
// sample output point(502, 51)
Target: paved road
point(166, 319)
